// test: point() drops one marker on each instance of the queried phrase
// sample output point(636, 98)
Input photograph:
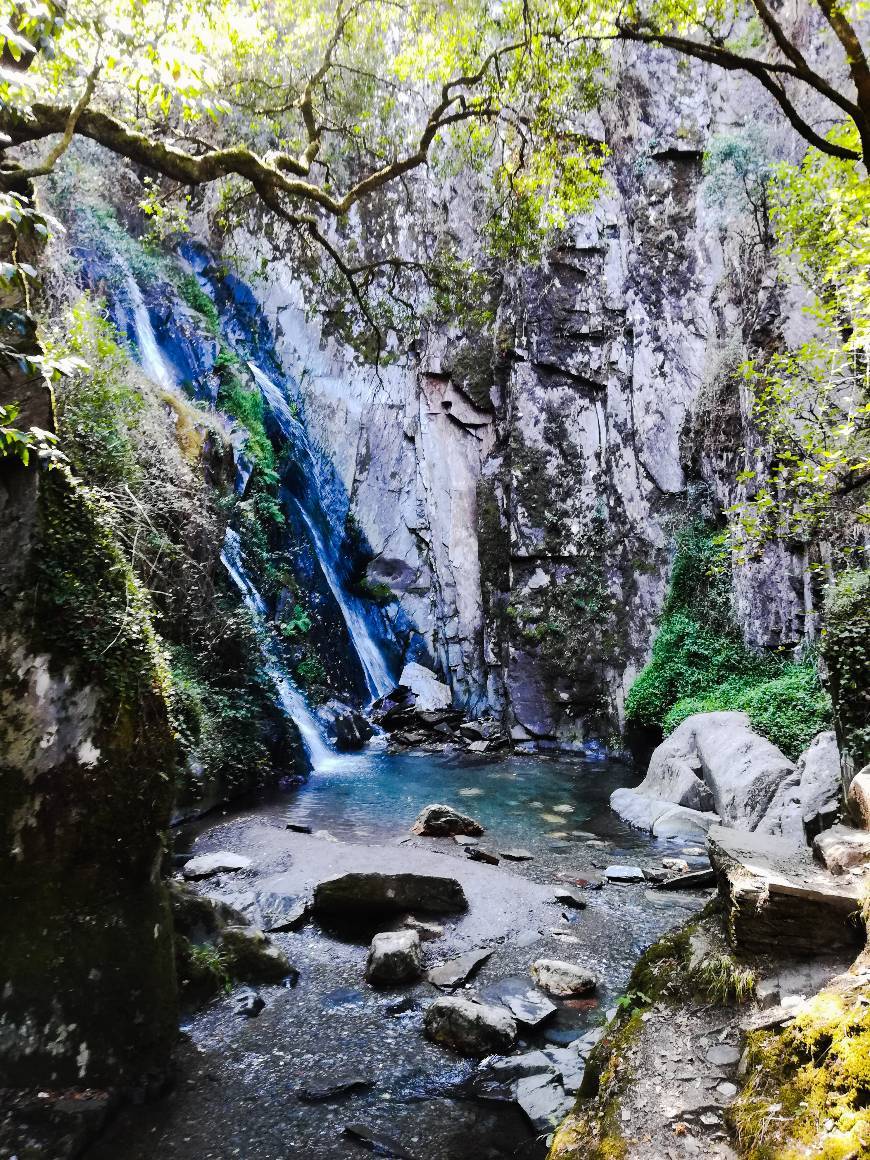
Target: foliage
point(377, 591)
point(197, 299)
point(311, 673)
point(811, 403)
point(723, 980)
point(245, 404)
point(738, 173)
point(808, 1088)
point(18, 443)
point(296, 624)
point(846, 649)
point(700, 663)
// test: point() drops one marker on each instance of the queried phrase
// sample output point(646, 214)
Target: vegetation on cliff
point(700, 663)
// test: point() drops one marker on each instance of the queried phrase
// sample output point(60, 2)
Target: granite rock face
point(519, 484)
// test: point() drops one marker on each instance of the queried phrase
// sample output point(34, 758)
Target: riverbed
point(237, 1092)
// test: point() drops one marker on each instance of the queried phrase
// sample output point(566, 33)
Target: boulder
point(221, 862)
point(474, 1029)
point(544, 1101)
point(248, 954)
point(394, 957)
point(841, 849)
point(715, 766)
point(198, 917)
point(821, 792)
point(345, 728)
point(859, 798)
point(563, 979)
point(371, 893)
point(778, 899)
point(430, 693)
point(440, 821)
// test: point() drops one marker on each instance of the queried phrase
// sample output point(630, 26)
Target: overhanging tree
point(308, 106)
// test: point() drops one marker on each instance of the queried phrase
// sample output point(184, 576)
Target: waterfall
point(154, 364)
point(292, 701)
point(371, 660)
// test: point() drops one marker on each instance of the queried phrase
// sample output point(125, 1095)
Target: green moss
point(245, 405)
point(846, 649)
point(808, 1087)
point(700, 663)
point(197, 299)
point(372, 590)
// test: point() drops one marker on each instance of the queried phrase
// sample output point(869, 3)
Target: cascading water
point(292, 700)
point(371, 659)
point(151, 356)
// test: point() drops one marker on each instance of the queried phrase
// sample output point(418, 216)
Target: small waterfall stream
point(154, 364)
point(292, 700)
point(371, 659)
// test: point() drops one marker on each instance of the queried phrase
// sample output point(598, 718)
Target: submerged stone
point(526, 1003)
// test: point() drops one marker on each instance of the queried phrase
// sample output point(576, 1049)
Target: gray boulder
point(859, 798)
point(842, 849)
point(394, 957)
point(367, 893)
point(440, 821)
point(474, 1029)
point(344, 727)
point(821, 791)
point(430, 693)
point(715, 769)
point(563, 979)
point(544, 1101)
point(526, 1003)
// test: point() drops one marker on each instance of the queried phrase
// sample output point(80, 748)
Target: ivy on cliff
point(700, 663)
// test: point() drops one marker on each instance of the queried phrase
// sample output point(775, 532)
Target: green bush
point(846, 649)
point(197, 299)
point(700, 663)
point(789, 709)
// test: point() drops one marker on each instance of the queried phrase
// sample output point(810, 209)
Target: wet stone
point(517, 854)
point(624, 874)
point(249, 1004)
point(564, 896)
point(333, 1087)
point(221, 862)
point(457, 971)
point(478, 854)
point(526, 1003)
point(377, 1142)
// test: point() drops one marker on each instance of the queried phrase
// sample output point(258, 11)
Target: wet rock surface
point(394, 957)
point(439, 821)
point(469, 1027)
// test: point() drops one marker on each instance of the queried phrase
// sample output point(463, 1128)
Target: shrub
point(197, 299)
point(700, 663)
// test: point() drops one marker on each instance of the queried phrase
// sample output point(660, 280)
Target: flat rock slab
point(500, 903)
point(778, 899)
point(456, 971)
point(357, 893)
point(527, 1003)
point(334, 1087)
point(545, 1102)
point(221, 862)
point(693, 880)
point(842, 849)
point(624, 874)
point(377, 1142)
point(518, 854)
point(279, 912)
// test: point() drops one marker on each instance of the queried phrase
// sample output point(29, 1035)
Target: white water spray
point(292, 701)
point(373, 665)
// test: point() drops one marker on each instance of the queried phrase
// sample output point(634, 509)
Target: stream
point(237, 1091)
